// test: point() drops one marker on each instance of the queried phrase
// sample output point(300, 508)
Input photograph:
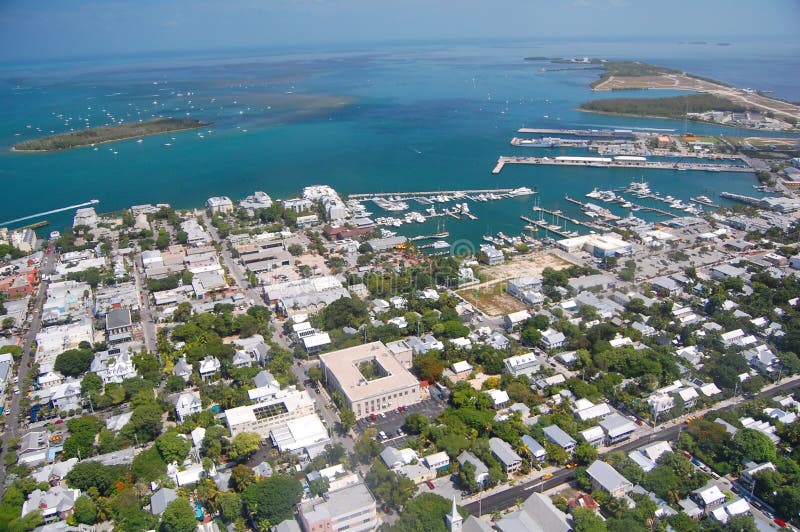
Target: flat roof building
point(371, 378)
point(262, 418)
point(352, 508)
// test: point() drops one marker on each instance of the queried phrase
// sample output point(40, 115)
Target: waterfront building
point(219, 205)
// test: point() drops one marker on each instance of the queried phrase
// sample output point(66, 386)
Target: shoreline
point(607, 113)
point(198, 126)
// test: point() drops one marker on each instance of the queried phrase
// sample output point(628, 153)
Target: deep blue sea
point(380, 118)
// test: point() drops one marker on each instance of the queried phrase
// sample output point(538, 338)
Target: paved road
point(145, 313)
point(508, 497)
point(35, 320)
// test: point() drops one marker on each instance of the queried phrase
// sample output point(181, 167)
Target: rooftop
point(344, 365)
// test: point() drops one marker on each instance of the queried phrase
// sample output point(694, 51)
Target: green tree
point(74, 362)
point(416, 423)
point(85, 510)
point(148, 465)
point(531, 336)
point(145, 423)
point(172, 447)
point(586, 520)
point(86, 475)
point(347, 418)
point(91, 384)
point(178, 517)
point(244, 445)
point(755, 446)
point(318, 486)
point(315, 374)
point(241, 477)
point(230, 506)
point(295, 249)
point(585, 453)
point(273, 498)
point(367, 447)
point(427, 513)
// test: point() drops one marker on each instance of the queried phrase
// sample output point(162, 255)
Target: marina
point(442, 196)
point(620, 161)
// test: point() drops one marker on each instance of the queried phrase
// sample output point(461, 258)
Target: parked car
point(382, 435)
point(547, 476)
point(430, 485)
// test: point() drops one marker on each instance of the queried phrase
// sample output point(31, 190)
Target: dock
point(607, 133)
point(546, 226)
point(400, 196)
point(749, 200)
point(605, 162)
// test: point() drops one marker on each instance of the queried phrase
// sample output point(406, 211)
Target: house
point(736, 507)
point(536, 449)
point(186, 404)
point(481, 471)
point(417, 472)
point(438, 460)
point(727, 271)
point(119, 327)
point(593, 435)
point(708, 497)
point(461, 370)
point(537, 514)
point(515, 318)
point(527, 289)
point(188, 475)
point(54, 473)
point(526, 364)
point(491, 255)
point(255, 348)
point(422, 345)
point(209, 366)
point(647, 455)
point(665, 286)
point(762, 359)
point(160, 499)
point(33, 447)
point(66, 396)
point(182, 369)
point(498, 341)
point(395, 458)
point(499, 397)
point(315, 342)
point(556, 435)
point(606, 478)
point(552, 339)
point(747, 477)
point(113, 366)
point(660, 403)
point(617, 428)
point(591, 411)
point(55, 504)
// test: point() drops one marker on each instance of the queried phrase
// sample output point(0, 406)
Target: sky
point(56, 29)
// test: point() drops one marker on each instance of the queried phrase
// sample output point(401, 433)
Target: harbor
point(442, 196)
point(620, 161)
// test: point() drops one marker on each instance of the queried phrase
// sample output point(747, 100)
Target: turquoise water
point(390, 119)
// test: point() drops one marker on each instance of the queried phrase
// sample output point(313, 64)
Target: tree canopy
point(273, 499)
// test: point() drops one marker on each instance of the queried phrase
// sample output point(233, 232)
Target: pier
point(413, 195)
point(749, 200)
point(608, 133)
point(607, 162)
point(546, 226)
point(443, 234)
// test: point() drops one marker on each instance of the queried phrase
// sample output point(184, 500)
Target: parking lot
point(389, 422)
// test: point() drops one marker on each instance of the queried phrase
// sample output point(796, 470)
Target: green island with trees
point(669, 107)
point(97, 135)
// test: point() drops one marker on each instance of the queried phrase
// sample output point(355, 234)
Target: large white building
point(263, 417)
point(371, 379)
point(352, 508)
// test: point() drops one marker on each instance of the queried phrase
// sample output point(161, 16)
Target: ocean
point(379, 119)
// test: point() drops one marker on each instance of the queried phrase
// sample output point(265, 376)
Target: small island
point(98, 135)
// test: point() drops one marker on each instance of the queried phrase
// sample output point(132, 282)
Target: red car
point(373, 417)
point(639, 422)
point(59, 421)
point(430, 485)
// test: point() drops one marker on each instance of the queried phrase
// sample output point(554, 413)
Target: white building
point(263, 417)
point(186, 404)
point(526, 364)
point(113, 366)
point(219, 205)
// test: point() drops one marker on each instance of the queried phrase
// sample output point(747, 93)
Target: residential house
point(526, 364)
point(647, 455)
point(491, 255)
point(556, 435)
point(499, 397)
point(481, 471)
point(515, 318)
point(209, 366)
point(182, 369)
point(55, 504)
point(708, 497)
point(593, 435)
point(66, 396)
point(395, 458)
point(186, 404)
point(423, 344)
point(552, 339)
point(438, 460)
point(113, 365)
point(536, 449)
point(160, 499)
point(617, 428)
point(606, 478)
point(498, 341)
point(762, 359)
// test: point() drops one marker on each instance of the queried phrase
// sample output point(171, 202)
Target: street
point(12, 416)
